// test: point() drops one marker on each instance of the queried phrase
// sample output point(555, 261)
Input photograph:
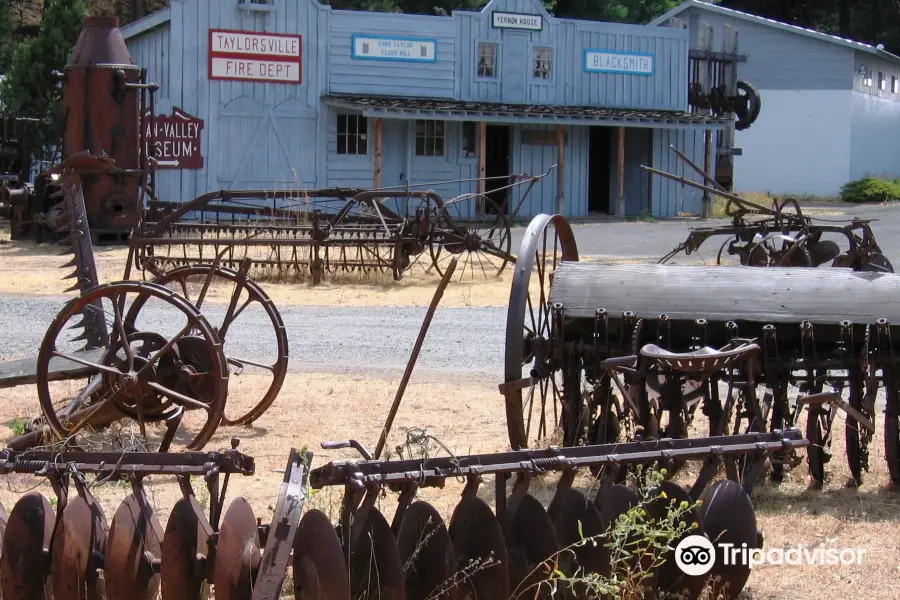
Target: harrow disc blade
point(575, 518)
point(480, 551)
point(80, 532)
point(184, 551)
point(132, 548)
point(617, 499)
point(427, 554)
point(530, 540)
point(727, 516)
point(375, 567)
point(26, 546)
point(319, 569)
point(671, 578)
point(237, 553)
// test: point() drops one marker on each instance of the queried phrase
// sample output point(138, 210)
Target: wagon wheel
point(856, 436)
point(242, 296)
point(531, 375)
point(766, 253)
point(892, 422)
point(146, 373)
point(485, 240)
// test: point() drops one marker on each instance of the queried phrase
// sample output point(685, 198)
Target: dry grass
point(467, 415)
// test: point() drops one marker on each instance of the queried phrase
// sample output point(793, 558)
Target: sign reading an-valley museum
point(252, 56)
point(504, 20)
point(628, 63)
point(176, 139)
point(387, 47)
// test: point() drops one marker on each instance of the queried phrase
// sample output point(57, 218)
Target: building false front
point(292, 94)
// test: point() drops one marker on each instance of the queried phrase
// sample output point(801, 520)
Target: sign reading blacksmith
point(252, 56)
point(626, 63)
point(175, 139)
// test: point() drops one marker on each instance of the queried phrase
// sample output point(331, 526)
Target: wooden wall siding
point(780, 60)
point(670, 198)
point(151, 51)
point(568, 40)
point(537, 160)
point(390, 77)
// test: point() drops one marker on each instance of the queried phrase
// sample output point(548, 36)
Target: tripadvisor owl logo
point(695, 555)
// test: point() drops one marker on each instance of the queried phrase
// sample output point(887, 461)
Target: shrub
point(871, 189)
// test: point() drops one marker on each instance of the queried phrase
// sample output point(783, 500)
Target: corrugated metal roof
point(460, 110)
point(811, 33)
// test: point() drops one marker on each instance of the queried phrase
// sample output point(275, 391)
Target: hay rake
point(598, 352)
point(319, 232)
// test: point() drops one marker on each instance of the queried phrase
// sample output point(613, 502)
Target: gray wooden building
point(290, 93)
point(830, 106)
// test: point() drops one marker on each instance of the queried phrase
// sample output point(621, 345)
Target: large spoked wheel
point(145, 372)
point(533, 382)
point(484, 239)
point(261, 324)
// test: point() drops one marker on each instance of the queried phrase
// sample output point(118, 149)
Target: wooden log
point(378, 130)
point(482, 164)
point(24, 371)
point(560, 169)
point(718, 293)
point(620, 197)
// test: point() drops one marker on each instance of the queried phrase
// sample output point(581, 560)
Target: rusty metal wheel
point(185, 551)
point(146, 372)
point(374, 559)
point(727, 516)
point(857, 437)
point(198, 284)
point(480, 551)
point(533, 381)
point(79, 538)
point(576, 518)
point(484, 239)
point(319, 569)
point(892, 422)
point(237, 553)
point(427, 554)
point(26, 544)
point(530, 541)
point(133, 551)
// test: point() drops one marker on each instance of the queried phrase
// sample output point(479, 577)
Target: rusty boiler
point(102, 100)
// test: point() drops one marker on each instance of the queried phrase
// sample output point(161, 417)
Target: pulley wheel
point(26, 546)
point(480, 551)
point(81, 532)
point(132, 548)
point(530, 540)
point(184, 551)
point(375, 567)
point(319, 569)
point(727, 517)
point(575, 517)
point(670, 577)
point(427, 553)
point(237, 553)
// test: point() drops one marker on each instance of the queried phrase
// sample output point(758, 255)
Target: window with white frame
point(429, 138)
point(895, 85)
point(487, 60)
point(352, 134)
point(540, 63)
point(469, 139)
point(882, 81)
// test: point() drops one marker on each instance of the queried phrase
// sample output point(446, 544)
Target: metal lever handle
point(348, 444)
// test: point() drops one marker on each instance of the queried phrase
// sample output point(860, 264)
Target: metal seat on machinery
point(701, 362)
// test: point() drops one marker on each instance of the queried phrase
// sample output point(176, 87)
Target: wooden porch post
point(378, 126)
point(620, 198)
point(561, 159)
point(706, 203)
point(482, 161)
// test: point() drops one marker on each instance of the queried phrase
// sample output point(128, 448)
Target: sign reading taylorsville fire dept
point(504, 20)
point(387, 47)
point(628, 63)
point(176, 138)
point(252, 56)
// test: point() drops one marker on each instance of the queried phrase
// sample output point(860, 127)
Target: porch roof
point(495, 112)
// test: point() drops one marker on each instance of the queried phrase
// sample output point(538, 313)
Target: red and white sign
point(176, 139)
point(252, 56)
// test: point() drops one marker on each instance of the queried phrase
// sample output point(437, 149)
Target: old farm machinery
point(781, 235)
point(597, 352)
point(319, 232)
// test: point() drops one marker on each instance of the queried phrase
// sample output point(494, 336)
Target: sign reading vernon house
point(504, 20)
point(176, 138)
point(252, 56)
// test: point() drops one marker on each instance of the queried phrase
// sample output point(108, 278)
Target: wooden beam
point(620, 197)
point(482, 160)
point(378, 129)
point(560, 178)
point(706, 202)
